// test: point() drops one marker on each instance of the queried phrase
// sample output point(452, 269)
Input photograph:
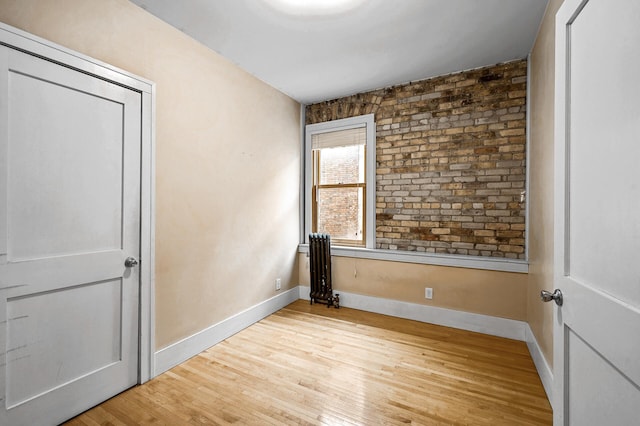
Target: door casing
point(21, 40)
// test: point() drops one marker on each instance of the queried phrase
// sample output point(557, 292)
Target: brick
point(498, 213)
point(517, 94)
point(454, 131)
point(499, 185)
point(440, 231)
point(433, 95)
point(486, 247)
point(483, 233)
point(472, 225)
point(443, 87)
point(468, 82)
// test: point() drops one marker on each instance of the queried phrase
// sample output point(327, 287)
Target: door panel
point(603, 147)
point(68, 305)
point(591, 401)
point(92, 311)
point(89, 142)
point(597, 233)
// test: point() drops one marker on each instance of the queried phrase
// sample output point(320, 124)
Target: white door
point(597, 213)
point(69, 217)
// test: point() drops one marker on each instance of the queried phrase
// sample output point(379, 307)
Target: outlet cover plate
point(428, 293)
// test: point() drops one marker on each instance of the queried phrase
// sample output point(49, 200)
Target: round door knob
point(130, 262)
point(556, 296)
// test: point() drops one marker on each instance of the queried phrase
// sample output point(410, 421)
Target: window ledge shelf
point(459, 261)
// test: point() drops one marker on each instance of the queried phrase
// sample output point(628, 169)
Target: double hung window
point(341, 180)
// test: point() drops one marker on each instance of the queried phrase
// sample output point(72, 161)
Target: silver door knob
point(130, 262)
point(556, 296)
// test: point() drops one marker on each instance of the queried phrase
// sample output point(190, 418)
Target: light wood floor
point(312, 365)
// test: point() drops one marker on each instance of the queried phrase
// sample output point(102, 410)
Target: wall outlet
point(278, 284)
point(428, 293)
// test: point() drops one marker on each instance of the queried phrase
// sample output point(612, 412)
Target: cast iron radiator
point(320, 269)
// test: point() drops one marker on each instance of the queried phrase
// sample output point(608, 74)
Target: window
point(340, 180)
point(338, 192)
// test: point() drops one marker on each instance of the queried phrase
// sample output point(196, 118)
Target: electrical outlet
point(278, 284)
point(428, 293)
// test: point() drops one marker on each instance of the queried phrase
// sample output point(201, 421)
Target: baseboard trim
point(502, 327)
point(176, 353)
point(544, 371)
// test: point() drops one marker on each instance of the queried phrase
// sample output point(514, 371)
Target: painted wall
point(540, 315)
point(500, 294)
point(227, 160)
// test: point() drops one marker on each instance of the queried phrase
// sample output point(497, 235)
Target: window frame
point(316, 186)
point(367, 121)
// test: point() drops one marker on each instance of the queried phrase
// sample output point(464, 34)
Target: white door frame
point(18, 39)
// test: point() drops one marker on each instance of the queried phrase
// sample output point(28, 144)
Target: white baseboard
point(486, 324)
point(544, 371)
point(176, 353)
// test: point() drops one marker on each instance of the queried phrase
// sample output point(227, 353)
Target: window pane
point(341, 212)
point(344, 164)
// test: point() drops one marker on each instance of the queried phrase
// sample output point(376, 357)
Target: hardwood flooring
point(316, 366)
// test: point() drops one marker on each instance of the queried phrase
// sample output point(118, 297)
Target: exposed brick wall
point(450, 160)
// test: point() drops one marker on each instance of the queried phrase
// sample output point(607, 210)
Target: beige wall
point(539, 315)
point(227, 160)
point(500, 294)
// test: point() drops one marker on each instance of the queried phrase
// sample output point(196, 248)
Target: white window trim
point(454, 260)
point(366, 121)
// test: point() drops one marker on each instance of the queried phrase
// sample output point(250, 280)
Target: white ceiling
point(378, 43)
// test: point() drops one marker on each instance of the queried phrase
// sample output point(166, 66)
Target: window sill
point(460, 261)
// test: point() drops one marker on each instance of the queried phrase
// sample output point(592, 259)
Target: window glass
point(344, 164)
point(341, 213)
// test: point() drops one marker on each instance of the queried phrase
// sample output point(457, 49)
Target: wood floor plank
point(309, 365)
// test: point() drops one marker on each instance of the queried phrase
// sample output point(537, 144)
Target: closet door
point(69, 220)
